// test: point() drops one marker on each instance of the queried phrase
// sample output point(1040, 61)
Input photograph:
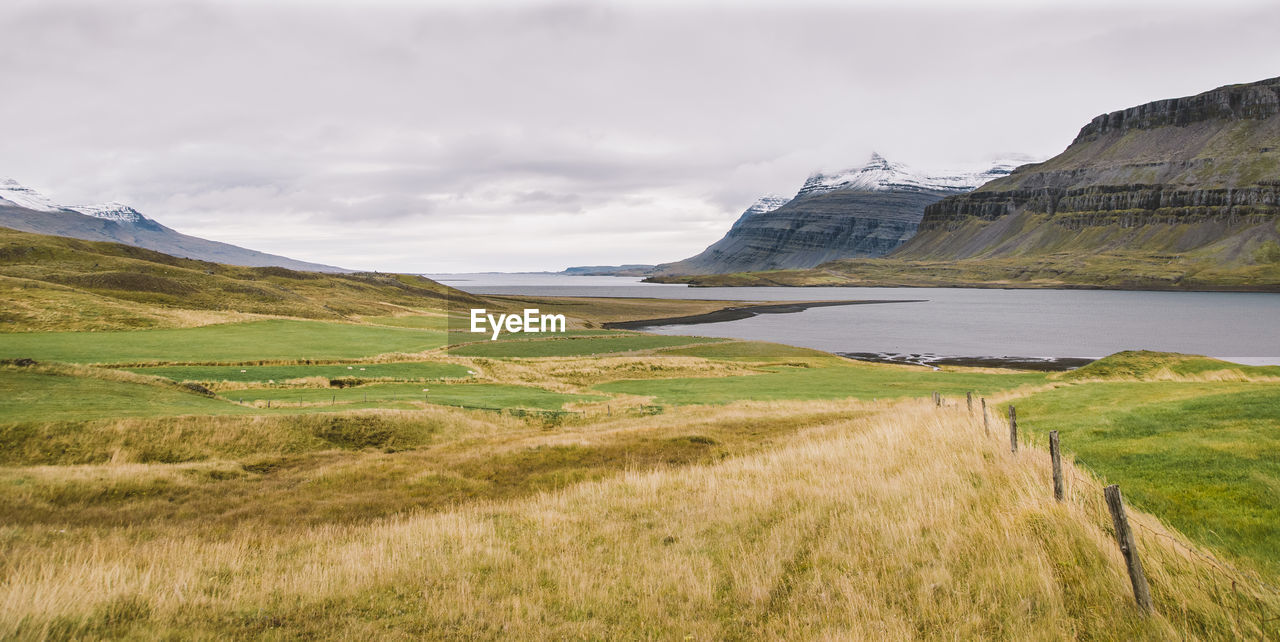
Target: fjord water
point(958, 322)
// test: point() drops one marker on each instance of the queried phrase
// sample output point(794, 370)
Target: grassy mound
point(1145, 365)
point(68, 284)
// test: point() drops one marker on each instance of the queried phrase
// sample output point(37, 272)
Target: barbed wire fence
point(1238, 577)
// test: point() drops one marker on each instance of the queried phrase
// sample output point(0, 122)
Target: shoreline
point(698, 282)
point(1039, 364)
point(737, 313)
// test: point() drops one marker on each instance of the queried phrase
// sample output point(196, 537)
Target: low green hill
point(1147, 365)
point(58, 283)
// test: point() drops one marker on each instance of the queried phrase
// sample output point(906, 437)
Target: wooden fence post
point(1013, 430)
point(1056, 455)
point(968, 401)
point(1124, 537)
point(937, 399)
point(986, 421)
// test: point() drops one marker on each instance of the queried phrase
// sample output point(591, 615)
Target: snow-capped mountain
point(22, 196)
point(767, 203)
point(17, 194)
point(863, 212)
point(113, 211)
point(26, 210)
point(882, 175)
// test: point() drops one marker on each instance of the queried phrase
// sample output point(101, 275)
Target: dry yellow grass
point(577, 374)
point(1227, 375)
point(897, 524)
point(35, 306)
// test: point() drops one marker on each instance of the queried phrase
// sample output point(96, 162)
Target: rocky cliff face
point(1255, 101)
point(866, 211)
point(1193, 174)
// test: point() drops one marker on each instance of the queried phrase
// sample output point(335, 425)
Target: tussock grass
point(573, 374)
point(202, 438)
point(350, 467)
point(905, 523)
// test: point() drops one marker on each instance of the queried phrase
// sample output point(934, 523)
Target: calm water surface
point(958, 322)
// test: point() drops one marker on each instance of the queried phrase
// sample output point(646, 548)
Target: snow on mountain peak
point(880, 174)
point(113, 211)
point(22, 196)
point(767, 203)
point(16, 193)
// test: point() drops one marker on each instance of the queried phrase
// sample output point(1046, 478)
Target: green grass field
point(863, 381)
point(469, 395)
point(754, 351)
point(409, 370)
point(31, 396)
point(232, 342)
point(754, 493)
point(418, 321)
point(574, 347)
point(1203, 456)
point(27, 397)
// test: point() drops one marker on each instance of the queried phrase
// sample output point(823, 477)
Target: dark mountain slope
point(866, 211)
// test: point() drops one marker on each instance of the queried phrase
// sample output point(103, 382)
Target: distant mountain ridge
point(865, 211)
point(630, 269)
point(113, 211)
point(26, 210)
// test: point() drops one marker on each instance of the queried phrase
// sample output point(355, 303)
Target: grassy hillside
point(57, 283)
point(893, 521)
point(372, 474)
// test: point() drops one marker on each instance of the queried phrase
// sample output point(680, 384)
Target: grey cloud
point(537, 136)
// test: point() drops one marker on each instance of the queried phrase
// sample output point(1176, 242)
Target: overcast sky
point(445, 137)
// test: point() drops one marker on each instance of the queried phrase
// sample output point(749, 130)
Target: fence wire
point(1226, 569)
